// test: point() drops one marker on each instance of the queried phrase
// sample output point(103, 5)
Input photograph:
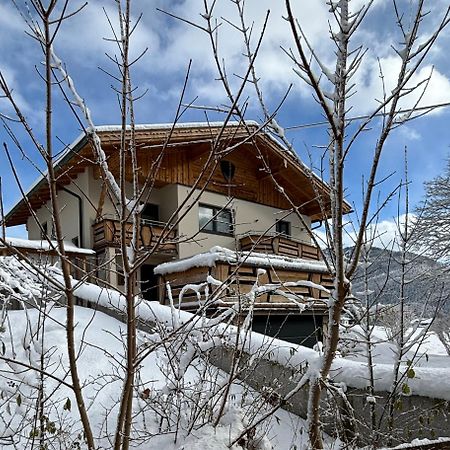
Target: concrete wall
point(416, 417)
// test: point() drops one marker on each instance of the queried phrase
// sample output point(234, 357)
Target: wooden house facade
point(209, 186)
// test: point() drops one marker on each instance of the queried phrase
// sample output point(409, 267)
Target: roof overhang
point(78, 156)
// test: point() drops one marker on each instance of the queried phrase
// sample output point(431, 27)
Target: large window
point(213, 219)
point(283, 227)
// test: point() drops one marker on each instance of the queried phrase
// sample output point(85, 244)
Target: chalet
point(222, 201)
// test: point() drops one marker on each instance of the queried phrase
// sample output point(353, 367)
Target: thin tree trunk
point(65, 267)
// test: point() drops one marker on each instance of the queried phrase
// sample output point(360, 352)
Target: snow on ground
point(99, 342)
point(429, 353)
point(430, 381)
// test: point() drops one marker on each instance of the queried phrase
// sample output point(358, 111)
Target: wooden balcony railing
point(107, 234)
point(279, 245)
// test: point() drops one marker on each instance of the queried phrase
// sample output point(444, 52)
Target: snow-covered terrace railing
point(41, 246)
point(221, 254)
point(304, 279)
point(83, 260)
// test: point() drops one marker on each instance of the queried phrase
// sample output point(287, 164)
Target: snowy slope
point(100, 346)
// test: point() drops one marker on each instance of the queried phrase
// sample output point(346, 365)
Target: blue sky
point(171, 44)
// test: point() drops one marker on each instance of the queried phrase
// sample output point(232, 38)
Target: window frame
point(216, 210)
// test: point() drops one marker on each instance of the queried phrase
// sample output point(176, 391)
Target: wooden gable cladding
point(188, 164)
point(185, 161)
point(244, 184)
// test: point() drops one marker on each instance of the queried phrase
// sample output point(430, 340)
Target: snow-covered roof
point(178, 125)
point(45, 246)
point(220, 254)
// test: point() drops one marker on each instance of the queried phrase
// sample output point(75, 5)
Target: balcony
point(107, 234)
point(278, 245)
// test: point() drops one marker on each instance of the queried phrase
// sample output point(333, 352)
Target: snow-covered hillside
point(100, 354)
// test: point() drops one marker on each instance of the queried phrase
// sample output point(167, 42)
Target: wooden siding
point(196, 275)
point(183, 161)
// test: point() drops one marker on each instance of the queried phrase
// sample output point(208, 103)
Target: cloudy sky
point(171, 44)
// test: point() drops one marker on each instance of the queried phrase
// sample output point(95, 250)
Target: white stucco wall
point(249, 217)
point(68, 207)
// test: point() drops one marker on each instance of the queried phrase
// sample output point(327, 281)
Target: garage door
point(304, 330)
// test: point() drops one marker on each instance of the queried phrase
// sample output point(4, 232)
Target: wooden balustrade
point(107, 234)
point(279, 245)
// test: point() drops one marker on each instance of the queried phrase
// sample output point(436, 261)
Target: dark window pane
point(215, 219)
point(44, 232)
point(223, 221)
point(150, 212)
point(284, 227)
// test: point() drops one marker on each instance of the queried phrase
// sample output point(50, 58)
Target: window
point(150, 212)
point(119, 268)
point(283, 227)
point(213, 219)
point(44, 230)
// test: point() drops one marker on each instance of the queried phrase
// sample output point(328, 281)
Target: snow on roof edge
point(43, 245)
point(169, 125)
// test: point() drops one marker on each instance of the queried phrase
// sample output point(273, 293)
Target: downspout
point(80, 213)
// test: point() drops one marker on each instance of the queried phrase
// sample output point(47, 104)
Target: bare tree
point(44, 21)
point(332, 88)
point(433, 214)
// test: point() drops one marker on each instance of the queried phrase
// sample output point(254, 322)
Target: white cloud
point(11, 77)
point(370, 85)
point(273, 67)
point(172, 43)
point(384, 234)
point(409, 133)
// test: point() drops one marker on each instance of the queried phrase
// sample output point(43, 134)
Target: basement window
point(214, 219)
point(283, 227)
